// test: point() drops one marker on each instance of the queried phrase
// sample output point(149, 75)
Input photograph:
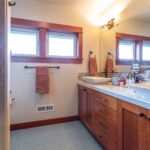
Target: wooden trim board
point(42, 122)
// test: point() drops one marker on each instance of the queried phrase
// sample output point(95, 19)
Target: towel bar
point(57, 67)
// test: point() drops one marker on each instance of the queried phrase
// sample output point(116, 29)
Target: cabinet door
point(89, 115)
point(131, 127)
point(148, 131)
point(82, 103)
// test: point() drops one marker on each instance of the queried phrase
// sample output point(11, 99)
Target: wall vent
point(45, 108)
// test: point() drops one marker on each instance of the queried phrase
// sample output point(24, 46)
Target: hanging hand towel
point(109, 63)
point(92, 65)
point(42, 80)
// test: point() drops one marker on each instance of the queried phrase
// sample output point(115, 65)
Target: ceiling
point(93, 9)
point(143, 15)
point(68, 3)
point(104, 10)
point(85, 5)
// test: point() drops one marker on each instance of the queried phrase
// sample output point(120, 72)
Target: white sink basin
point(142, 89)
point(96, 80)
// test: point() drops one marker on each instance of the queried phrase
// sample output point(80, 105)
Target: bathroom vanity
point(117, 117)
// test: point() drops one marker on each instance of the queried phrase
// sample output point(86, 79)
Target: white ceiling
point(104, 10)
point(69, 3)
point(84, 5)
point(143, 15)
point(93, 9)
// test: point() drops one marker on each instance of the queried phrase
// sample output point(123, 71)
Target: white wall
point(108, 39)
point(63, 87)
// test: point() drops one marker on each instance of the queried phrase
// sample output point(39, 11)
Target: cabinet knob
point(85, 90)
point(141, 114)
point(106, 100)
point(100, 137)
point(100, 123)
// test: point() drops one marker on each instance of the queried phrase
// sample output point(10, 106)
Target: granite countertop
point(125, 94)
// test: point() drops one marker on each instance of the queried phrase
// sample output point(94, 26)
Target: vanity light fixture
point(110, 24)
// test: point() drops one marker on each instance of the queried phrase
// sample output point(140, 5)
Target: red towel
point(109, 64)
point(92, 65)
point(42, 80)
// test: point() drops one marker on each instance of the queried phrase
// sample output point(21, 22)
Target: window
point(126, 50)
point(61, 44)
point(34, 41)
point(24, 42)
point(132, 48)
point(146, 51)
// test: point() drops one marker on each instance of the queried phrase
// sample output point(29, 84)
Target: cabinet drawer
point(107, 128)
point(108, 114)
point(111, 146)
point(104, 140)
point(106, 100)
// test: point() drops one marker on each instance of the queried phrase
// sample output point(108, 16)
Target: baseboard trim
point(42, 122)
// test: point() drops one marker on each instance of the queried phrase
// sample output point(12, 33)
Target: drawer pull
point(103, 125)
point(105, 100)
point(141, 114)
point(104, 112)
point(100, 137)
point(103, 139)
point(85, 90)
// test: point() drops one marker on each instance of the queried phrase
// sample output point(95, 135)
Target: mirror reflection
point(128, 42)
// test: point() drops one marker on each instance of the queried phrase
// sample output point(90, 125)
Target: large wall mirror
point(138, 24)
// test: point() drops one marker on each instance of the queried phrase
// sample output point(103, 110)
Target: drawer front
point(104, 140)
point(111, 146)
point(107, 128)
point(106, 100)
point(108, 114)
point(100, 135)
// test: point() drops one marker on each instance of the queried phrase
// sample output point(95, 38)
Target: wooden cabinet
point(132, 123)
point(82, 103)
point(89, 106)
point(105, 120)
point(116, 124)
point(85, 106)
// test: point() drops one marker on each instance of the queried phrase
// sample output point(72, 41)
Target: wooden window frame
point(44, 28)
point(138, 41)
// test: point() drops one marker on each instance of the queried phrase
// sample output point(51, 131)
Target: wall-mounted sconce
point(110, 24)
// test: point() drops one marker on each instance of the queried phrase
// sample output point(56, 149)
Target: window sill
point(120, 62)
point(46, 60)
